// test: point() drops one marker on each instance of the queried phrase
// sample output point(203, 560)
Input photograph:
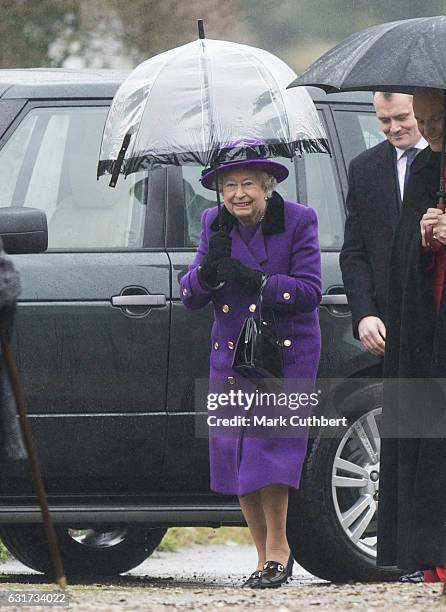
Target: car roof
point(59, 83)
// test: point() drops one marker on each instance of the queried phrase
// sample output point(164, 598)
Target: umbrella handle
point(432, 243)
point(217, 192)
point(219, 215)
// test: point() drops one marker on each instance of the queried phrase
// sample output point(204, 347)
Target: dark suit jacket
point(373, 210)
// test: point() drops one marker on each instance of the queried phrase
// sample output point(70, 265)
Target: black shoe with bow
point(275, 574)
point(252, 580)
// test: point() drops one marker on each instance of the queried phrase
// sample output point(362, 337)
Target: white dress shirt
point(401, 162)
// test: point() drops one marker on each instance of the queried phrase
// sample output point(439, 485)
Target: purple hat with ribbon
point(251, 149)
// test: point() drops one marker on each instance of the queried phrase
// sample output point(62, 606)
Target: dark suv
point(108, 354)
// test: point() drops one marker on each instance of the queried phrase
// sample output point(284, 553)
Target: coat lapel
point(257, 247)
point(424, 158)
point(252, 255)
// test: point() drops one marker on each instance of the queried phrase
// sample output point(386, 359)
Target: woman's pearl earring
point(266, 198)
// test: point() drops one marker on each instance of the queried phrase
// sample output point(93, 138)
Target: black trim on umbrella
point(118, 163)
point(150, 161)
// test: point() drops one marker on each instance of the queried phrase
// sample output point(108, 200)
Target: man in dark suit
point(376, 179)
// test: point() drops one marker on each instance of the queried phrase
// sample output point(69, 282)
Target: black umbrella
point(397, 57)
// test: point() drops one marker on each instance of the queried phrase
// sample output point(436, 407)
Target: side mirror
point(23, 230)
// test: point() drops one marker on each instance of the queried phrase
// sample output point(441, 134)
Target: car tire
point(84, 553)
point(318, 540)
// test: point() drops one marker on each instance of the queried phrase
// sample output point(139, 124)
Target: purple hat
point(278, 171)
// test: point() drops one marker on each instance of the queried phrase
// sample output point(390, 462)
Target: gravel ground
point(201, 577)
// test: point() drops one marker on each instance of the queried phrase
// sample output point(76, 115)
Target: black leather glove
point(7, 315)
point(230, 269)
point(207, 273)
point(219, 246)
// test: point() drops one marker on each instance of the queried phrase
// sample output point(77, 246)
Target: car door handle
point(154, 301)
point(334, 300)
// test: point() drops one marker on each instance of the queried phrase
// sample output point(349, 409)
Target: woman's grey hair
point(269, 182)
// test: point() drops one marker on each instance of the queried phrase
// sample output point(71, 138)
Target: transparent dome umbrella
point(398, 57)
point(200, 103)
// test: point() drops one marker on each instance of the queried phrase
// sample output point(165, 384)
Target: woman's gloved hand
point(207, 273)
point(220, 245)
point(230, 269)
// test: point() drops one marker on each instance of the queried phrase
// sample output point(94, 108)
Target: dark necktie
point(410, 155)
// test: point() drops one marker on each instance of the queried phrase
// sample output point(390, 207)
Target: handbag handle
point(259, 305)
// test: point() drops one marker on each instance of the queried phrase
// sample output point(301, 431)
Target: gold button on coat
point(231, 380)
point(252, 308)
point(286, 295)
point(230, 344)
point(225, 308)
point(184, 291)
point(215, 345)
point(287, 343)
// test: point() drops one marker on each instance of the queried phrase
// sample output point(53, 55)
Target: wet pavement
point(201, 577)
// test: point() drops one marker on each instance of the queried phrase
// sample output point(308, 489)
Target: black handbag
point(258, 352)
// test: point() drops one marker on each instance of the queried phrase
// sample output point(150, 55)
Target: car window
point(371, 131)
point(50, 163)
point(197, 198)
point(358, 130)
point(318, 188)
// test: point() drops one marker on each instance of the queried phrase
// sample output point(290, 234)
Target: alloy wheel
point(355, 481)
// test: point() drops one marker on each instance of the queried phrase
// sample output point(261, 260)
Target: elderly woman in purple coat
point(265, 239)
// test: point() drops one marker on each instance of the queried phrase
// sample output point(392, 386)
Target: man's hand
point(435, 218)
point(372, 334)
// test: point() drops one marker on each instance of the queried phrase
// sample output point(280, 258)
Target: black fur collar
point(273, 222)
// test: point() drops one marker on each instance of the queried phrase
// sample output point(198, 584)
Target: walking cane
point(11, 368)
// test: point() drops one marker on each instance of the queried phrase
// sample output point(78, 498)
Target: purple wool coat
point(286, 249)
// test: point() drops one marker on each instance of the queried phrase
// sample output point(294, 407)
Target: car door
point(352, 128)
point(320, 185)
point(93, 318)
